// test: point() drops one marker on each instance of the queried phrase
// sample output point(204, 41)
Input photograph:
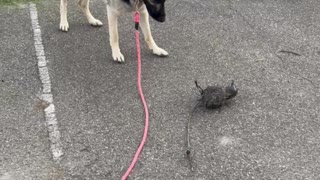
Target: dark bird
point(215, 96)
point(212, 97)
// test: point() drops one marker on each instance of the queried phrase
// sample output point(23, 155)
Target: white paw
point(117, 56)
point(64, 26)
point(160, 52)
point(95, 22)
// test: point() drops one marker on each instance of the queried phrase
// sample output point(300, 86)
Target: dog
point(115, 8)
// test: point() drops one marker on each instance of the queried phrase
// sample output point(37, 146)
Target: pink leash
point(146, 112)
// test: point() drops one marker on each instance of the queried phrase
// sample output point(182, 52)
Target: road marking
point(50, 115)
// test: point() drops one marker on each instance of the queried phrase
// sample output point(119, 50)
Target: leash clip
point(136, 14)
point(137, 19)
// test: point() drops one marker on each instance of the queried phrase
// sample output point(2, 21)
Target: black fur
point(127, 1)
point(157, 14)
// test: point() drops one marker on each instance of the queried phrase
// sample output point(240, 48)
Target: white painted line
point(50, 115)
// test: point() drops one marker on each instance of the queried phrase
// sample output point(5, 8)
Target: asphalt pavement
point(269, 131)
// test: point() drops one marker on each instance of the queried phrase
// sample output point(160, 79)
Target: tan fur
point(115, 8)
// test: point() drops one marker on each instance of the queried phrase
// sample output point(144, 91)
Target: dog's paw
point(64, 26)
point(160, 52)
point(117, 56)
point(95, 22)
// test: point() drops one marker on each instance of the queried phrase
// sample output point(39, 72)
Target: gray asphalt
point(269, 131)
point(24, 142)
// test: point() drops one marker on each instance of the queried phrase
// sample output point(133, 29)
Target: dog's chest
point(122, 6)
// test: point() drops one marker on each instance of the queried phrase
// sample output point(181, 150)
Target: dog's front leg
point(84, 5)
point(113, 34)
point(64, 25)
point(145, 27)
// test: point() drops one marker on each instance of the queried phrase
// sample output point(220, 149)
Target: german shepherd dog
point(115, 8)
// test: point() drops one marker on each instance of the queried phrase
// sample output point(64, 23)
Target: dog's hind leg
point(64, 25)
point(84, 5)
point(145, 27)
point(113, 34)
